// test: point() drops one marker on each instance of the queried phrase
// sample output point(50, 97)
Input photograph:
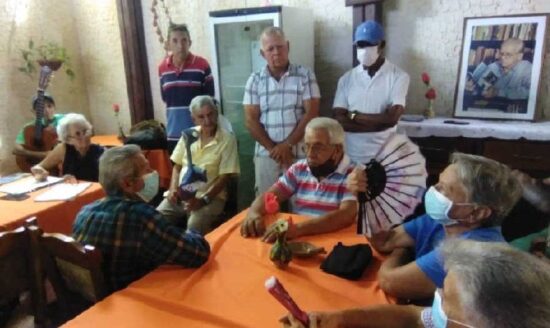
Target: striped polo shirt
point(313, 197)
point(179, 87)
point(281, 102)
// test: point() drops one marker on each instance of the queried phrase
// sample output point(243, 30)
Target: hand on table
point(316, 320)
point(253, 225)
point(39, 173)
point(69, 178)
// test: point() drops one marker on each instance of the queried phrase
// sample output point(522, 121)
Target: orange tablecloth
point(228, 291)
point(57, 216)
point(158, 159)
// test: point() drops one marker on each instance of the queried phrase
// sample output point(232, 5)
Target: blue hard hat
point(369, 31)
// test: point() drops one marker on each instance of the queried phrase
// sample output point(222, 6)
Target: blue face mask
point(150, 186)
point(438, 207)
point(439, 317)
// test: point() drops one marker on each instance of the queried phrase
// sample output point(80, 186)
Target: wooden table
point(228, 291)
point(159, 159)
point(56, 216)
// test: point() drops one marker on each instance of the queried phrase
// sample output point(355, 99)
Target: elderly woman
point(215, 151)
point(469, 201)
point(487, 285)
point(75, 155)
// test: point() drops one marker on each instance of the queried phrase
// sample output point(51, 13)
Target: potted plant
point(50, 54)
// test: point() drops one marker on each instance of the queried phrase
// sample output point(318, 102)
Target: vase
point(429, 112)
point(121, 136)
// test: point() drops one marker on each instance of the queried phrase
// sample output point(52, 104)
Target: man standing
point(279, 101)
point(183, 76)
point(133, 237)
point(318, 184)
point(370, 98)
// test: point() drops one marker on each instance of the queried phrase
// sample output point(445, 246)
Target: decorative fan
point(396, 182)
point(194, 177)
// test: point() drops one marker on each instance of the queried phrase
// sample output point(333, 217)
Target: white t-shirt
point(358, 91)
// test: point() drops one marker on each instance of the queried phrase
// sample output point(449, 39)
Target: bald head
point(511, 52)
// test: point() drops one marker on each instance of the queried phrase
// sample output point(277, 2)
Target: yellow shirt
point(218, 157)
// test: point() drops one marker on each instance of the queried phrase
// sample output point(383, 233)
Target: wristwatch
point(205, 200)
point(352, 114)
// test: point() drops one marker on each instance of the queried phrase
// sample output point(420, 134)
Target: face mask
point(439, 317)
point(324, 169)
point(150, 186)
point(438, 207)
point(368, 55)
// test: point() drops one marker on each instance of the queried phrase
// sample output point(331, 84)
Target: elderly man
point(133, 237)
point(370, 98)
point(487, 285)
point(470, 200)
point(512, 73)
point(318, 184)
point(216, 152)
point(279, 101)
point(183, 76)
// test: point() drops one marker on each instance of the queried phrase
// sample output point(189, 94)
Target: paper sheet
point(62, 191)
point(26, 185)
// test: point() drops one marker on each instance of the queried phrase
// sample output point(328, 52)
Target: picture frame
point(500, 66)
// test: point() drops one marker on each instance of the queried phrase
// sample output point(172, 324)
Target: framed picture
point(500, 67)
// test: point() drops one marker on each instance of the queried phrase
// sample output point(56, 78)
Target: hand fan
point(194, 177)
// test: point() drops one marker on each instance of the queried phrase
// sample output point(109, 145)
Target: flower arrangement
point(430, 95)
point(121, 135)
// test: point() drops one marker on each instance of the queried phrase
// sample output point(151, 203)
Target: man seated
point(50, 119)
point(487, 285)
point(215, 151)
point(318, 184)
point(469, 201)
point(133, 237)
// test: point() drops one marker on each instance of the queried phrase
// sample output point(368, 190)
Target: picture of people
point(500, 67)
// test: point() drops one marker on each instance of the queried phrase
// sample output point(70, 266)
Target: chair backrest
point(72, 267)
point(20, 270)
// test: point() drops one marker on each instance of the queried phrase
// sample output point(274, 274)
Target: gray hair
point(116, 164)
point(499, 286)
point(199, 101)
point(488, 183)
point(271, 31)
point(331, 126)
point(70, 120)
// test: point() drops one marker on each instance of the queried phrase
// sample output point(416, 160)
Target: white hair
point(116, 164)
point(199, 101)
point(70, 120)
point(498, 285)
point(331, 126)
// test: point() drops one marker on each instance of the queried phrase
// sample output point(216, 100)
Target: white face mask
point(368, 55)
point(150, 186)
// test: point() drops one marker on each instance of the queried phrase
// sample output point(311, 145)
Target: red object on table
point(228, 291)
point(159, 159)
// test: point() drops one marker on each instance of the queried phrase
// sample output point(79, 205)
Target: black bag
point(348, 262)
point(149, 134)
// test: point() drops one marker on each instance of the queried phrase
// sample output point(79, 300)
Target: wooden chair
point(74, 271)
point(21, 271)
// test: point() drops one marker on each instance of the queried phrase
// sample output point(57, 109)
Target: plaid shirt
point(134, 239)
point(281, 102)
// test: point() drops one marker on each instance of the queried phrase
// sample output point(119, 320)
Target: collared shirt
point(314, 197)
point(281, 102)
point(179, 85)
point(514, 84)
point(218, 157)
point(358, 91)
point(134, 239)
point(20, 139)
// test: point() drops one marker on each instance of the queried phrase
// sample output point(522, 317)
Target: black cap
point(47, 96)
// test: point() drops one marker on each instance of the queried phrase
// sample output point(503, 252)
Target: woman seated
point(75, 155)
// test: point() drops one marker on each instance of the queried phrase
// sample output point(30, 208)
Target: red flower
point(430, 94)
point(426, 78)
point(116, 108)
point(271, 203)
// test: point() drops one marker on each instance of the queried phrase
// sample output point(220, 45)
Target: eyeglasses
point(79, 134)
point(316, 148)
point(509, 54)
